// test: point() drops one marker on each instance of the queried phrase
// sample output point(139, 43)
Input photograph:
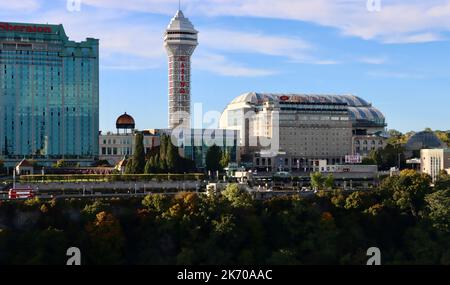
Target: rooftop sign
point(23, 28)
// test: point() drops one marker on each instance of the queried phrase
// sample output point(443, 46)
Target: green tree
point(156, 202)
point(329, 181)
point(172, 157)
point(106, 240)
point(356, 201)
point(407, 190)
point(152, 166)
point(213, 156)
point(129, 166)
point(237, 197)
point(61, 164)
point(225, 160)
point(163, 147)
point(138, 161)
point(317, 180)
point(438, 206)
point(148, 166)
point(162, 165)
point(388, 157)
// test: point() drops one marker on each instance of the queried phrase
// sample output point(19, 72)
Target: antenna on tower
point(179, 5)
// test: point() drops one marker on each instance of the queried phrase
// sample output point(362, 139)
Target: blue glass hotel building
point(49, 93)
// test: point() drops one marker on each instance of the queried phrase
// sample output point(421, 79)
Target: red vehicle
point(22, 193)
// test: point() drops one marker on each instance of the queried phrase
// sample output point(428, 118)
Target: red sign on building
point(26, 29)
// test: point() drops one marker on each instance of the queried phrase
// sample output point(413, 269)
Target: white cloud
point(373, 60)
point(324, 62)
point(221, 65)
point(414, 38)
point(409, 21)
point(123, 45)
point(253, 42)
point(394, 74)
point(22, 5)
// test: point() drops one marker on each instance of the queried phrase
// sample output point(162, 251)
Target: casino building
point(49, 93)
point(297, 131)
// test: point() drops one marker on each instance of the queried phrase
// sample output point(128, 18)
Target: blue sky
point(398, 58)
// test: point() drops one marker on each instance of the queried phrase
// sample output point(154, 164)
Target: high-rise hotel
point(49, 93)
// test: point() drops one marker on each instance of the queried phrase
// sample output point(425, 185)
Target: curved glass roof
point(359, 109)
point(425, 139)
point(254, 98)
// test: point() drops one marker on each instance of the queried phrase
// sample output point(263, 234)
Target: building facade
point(433, 161)
point(49, 93)
point(115, 146)
point(293, 131)
point(194, 144)
point(364, 144)
point(180, 41)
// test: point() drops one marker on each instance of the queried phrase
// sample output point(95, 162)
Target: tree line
point(406, 218)
point(166, 158)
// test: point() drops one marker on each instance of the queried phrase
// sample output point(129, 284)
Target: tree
point(397, 137)
point(172, 157)
point(213, 156)
point(129, 166)
point(150, 165)
point(61, 164)
point(156, 202)
point(438, 206)
point(225, 160)
point(317, 180)
point(138, 161)
point(163, 147)
point(329, 181)
point(106, 240)
point(408, 190)
point(237, 197)
point(162, 165)
point(388, 157)
point(354, 201)
point(2, 166)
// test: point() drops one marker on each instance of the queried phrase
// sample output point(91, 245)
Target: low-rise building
point(434, 161)
point(114, 146)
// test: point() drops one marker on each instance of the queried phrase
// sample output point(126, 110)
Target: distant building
point(303, 129)
point(422, 140)
point(49, 86)
point(433, 161)
point(364, 144)
point(193, 144)
point(114, 146)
